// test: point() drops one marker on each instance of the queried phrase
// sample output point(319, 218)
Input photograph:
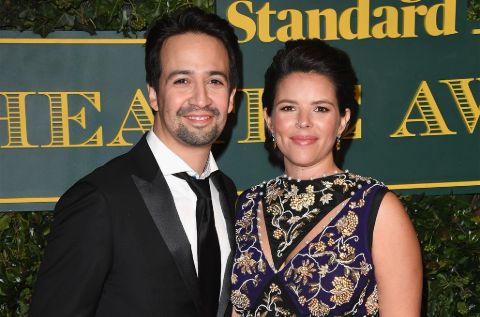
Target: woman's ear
point(344, 122)
point(268, 120)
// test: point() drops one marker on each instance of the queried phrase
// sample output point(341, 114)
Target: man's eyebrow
point(219, 73)
point(179, 72)
point(189, 72)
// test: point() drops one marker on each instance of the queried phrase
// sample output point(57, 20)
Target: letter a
point(139, 113)
point(430, 115)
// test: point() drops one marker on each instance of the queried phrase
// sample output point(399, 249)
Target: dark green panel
point(390, 70)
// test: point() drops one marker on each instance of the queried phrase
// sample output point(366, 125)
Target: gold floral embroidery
point(364, 268)
point(342, 290)
point(348, 252)
point(273, 193)
point(357, 204)
point(347, 224)
point(372, 302)
point(274, 209)
point(246, 221)
point(304, 272)
point(302, 300)
point(318, 308)
point(331, 242)
point(246, 263)
point(239, 300)
point(261, 266)
point(319, 246)
point(293, 220)
point(323, 270)
point(272, 300)
point(303, 200)
point(325, 199)
point(278, 233)
point(274, 288)
point(334, 252)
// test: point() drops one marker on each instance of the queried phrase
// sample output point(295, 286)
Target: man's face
point(193, 98)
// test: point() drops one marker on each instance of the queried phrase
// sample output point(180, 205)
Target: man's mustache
point(186, 110)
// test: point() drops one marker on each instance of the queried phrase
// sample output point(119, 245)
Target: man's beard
point(200, 137)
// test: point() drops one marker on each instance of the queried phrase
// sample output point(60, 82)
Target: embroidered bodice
point(315, 259)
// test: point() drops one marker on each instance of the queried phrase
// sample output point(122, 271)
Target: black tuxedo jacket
point(117, 246)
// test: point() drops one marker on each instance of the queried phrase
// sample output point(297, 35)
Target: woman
point(319, 241)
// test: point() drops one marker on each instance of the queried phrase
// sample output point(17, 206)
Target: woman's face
point(305, 121)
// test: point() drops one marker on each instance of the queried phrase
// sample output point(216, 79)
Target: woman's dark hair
point(313, 56)
point(192, 20)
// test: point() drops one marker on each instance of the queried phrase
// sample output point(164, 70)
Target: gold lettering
point(429, 112)
point(293, 30)
point(242, 21)
point(409, 17)
point(449, 13)
point(139, 113)
point(353, 23)
point(16, 119)
point(59, 119)
point(255, 122)
point(388, 28)
point(362, 11)
point(330, 25)
point(264, 23)
point(354, 131)
point(465, 101)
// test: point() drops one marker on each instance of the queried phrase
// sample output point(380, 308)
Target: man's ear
point(152, 97)
point(231, 100)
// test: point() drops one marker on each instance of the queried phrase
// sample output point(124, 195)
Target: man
point(127, 239)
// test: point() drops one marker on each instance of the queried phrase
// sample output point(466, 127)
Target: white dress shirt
point(186, 200)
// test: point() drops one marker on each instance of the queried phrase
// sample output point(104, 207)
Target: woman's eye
point(287, 108)
point(321, 109)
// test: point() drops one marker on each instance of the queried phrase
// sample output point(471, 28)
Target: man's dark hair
point(189, 20)
point(313, 56)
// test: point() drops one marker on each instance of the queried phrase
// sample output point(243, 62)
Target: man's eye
point(216, 82)
point(180, 81)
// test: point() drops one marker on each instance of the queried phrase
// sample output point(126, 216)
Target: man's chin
point(196, 138)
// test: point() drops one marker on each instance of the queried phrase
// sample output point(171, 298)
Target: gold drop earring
point(338, 143)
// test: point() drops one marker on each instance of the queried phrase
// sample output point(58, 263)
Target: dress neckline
point(292, 208)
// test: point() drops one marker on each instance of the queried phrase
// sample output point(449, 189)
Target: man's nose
point(200, 96)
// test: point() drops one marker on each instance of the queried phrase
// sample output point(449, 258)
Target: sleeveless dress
point(316, 259)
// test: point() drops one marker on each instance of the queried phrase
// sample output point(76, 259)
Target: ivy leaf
point(66, 20)
point(43, 26)
point(4, 222)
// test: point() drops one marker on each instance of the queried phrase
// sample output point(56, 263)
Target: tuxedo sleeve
point(78, 255)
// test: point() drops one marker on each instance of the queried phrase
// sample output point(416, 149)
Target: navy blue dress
point(305, 266)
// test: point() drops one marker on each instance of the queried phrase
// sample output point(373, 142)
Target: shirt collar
point(170, 163)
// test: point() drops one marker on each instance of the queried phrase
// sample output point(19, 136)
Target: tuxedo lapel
point(227, 200)
point(227, 204)
point(160, 204)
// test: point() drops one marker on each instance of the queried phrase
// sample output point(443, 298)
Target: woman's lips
point(304, 139)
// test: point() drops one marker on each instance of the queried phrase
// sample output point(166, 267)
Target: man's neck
point(195, 156)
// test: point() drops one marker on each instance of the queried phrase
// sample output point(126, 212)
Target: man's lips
point(199, 117)
point(304, 139)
